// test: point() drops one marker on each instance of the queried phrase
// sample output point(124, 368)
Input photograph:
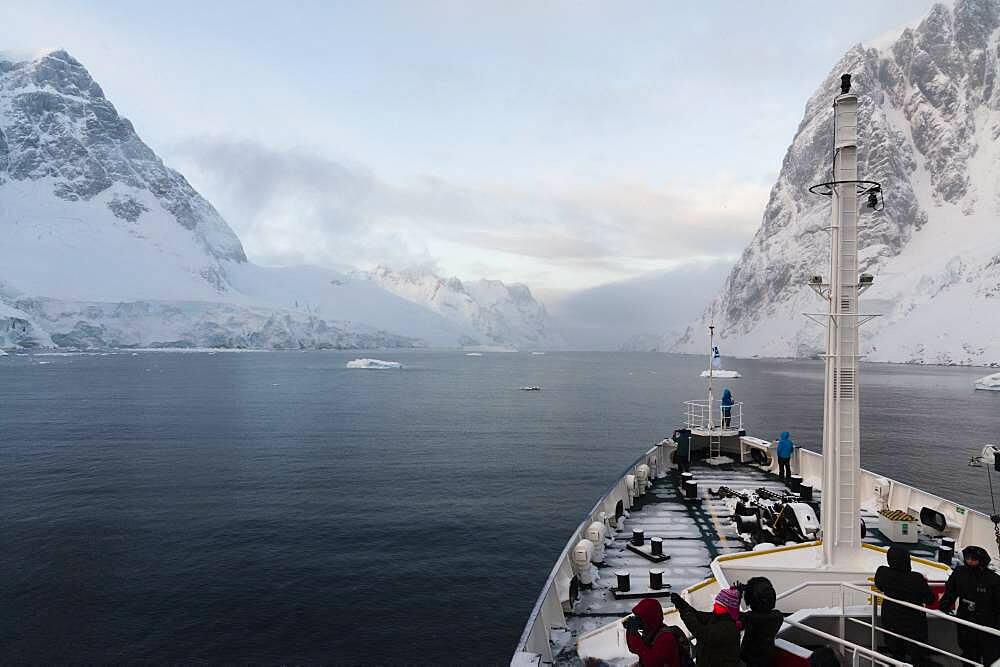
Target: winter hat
point(729, 599)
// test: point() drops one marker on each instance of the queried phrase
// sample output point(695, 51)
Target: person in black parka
point(682, 455)
point(977, 589)
point(760, 624)
point(898, 581)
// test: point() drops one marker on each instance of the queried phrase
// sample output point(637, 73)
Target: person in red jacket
point(648, 638)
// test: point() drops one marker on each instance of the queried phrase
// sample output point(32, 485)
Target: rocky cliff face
point(58, 127)
point(492, 312)
point(929, 130)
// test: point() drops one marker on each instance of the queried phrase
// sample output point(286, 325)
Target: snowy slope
point(101, 244)
point(930, 124)
point(489, 311)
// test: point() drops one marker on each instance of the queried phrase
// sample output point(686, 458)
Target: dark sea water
point(280, 508)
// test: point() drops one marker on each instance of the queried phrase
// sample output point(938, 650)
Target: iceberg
point(988, 382)
point(373, 364)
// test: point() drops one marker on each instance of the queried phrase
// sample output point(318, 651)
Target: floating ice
point(989, 382)
point(473, 354)
point(722, 374)
point(373, 364)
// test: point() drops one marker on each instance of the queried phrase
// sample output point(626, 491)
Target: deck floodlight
point(872, 200)
point(816, 280)
point(845, 84)
point(866, 279)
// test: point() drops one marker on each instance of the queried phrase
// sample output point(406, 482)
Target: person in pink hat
point(717, 632)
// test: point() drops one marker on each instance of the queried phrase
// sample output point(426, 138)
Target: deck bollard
point(623, 580)
point(638, 537)
point(795, 483)
point(690, 489)
point(655, 579)
point(805, 492)
point(656, 544)
point(945, 554)
point(948, 542)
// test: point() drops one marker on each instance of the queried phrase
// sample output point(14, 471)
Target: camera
point(633, 623)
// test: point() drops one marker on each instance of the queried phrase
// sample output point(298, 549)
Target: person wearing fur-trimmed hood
point(976, 588)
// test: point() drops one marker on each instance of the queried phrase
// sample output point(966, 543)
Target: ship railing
point(713, 415)
point(870, 592)
point(550, 607)
point(965, 525)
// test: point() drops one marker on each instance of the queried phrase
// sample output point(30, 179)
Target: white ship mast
point(841, 432)
point(711, 397)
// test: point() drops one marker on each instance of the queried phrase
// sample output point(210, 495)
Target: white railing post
point(874, 620)
point(843, 613)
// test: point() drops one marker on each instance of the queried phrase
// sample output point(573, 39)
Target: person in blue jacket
point(785, 449)
point(727, 407)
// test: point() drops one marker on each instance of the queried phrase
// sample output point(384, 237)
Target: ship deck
point(694, 532)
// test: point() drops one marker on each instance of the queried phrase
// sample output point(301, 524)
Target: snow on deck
point(694, 532)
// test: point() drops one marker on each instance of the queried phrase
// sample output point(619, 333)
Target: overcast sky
point(562, 144)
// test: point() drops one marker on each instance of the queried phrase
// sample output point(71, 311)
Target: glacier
point(930, 124)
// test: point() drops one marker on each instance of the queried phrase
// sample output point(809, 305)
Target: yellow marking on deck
point(700, 585)
point(715, 522)
point(749, 554)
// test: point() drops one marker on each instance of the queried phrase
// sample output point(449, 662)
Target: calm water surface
point(277, 507)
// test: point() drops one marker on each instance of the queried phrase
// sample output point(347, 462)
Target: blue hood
point(785, 446)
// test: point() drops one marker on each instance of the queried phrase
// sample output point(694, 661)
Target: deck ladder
point(714, 443)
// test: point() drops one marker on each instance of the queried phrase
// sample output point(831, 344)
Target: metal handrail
point(868, 589)
point(871, 654)
point(708, 414)
point(930, 612)
point(875, 629)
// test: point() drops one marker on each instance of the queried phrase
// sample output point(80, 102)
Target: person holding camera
point(717, 631)
point(648, 638)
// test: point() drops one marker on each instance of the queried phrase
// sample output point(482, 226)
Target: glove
point(676, 599)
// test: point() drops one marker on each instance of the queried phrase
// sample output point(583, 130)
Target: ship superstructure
point(818, 537)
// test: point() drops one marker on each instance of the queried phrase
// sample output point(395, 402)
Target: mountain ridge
point(104, 245)
point(929, 116)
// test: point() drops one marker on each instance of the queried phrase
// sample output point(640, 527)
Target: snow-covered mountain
point(930, 133)
point(493, 312)
point(101, 244)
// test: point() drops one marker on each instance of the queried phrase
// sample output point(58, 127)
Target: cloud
point(296, 205)
point(606, 316)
